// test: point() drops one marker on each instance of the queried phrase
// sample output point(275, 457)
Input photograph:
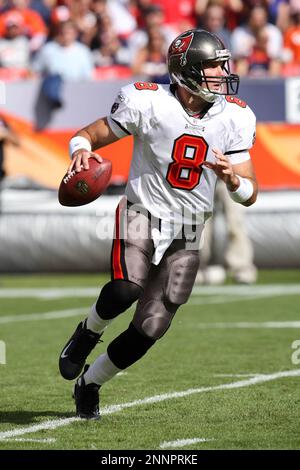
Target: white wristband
point(243, 192)
point(78, 142)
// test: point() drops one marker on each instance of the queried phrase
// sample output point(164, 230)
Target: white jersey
point(166, 175)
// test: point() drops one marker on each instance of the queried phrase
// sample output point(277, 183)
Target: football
point(77, 189)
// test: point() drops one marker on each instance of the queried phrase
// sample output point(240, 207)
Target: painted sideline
point(73, 312)
point(182, 442)
point(56, 423)
point(266, 324)
point(236, 290)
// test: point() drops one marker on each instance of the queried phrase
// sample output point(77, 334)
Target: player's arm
point(240, 178)
point(90, 138)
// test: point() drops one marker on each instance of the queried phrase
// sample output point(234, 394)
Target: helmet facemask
point(196, 82)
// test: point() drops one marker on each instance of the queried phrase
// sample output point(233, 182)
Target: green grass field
point(222, 373)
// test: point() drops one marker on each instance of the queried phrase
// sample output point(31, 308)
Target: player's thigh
point(173, 279)
point(132, 248)
point(169, 285)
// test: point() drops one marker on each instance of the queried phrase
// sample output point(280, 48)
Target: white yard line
point(50, 293)
point(235, 290)
point(223, 299)
point(53, 315)
point(241, 325)
point(194, 300)
point(55, 423)
point(238, 375)
point(73, 312)
point(272, 289)
point(49, 440)
point(182, 443)
point(49, 424)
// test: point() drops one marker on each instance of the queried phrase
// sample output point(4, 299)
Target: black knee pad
point(128, 347)
point(116, 297)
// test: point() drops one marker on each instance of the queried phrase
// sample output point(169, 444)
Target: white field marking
point(55, 423)
point(236, 290)
point(74, 312)
point(238, 375)
point(57, 314)
point(53, 315)
point(49, 440)
point(182, 442)
point(221, 299)
point(267, 324)
point(121, 373)
point(242, 290)
point(50, 293)
point(49, 424)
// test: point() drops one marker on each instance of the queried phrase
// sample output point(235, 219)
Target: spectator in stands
point(151, 60)
point(59, 14)
point(257, 35)
point(123, 20)
point(139, 8)
point(84, 19)
point(279, 11)
point(294, 6)
point(214, 21)
point(64, 56)
point(44, 9)
point(4, 5)
point(259, 62)
point(180, 15)
point(14, 47)
point(153, 17)
point(107, 48)
point(292, 42)
point(99, 7)
point(59, 60)
point(35, 28)
point(233, 10)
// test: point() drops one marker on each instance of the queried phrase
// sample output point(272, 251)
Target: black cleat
point(86, 398)
point(77, 349)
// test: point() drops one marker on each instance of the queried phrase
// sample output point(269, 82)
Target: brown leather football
point(77, 189)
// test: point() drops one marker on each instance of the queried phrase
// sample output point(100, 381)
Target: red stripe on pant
point(116, 254)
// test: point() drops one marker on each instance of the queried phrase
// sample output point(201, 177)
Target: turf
point(260, 416)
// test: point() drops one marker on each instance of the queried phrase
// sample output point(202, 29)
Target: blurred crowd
point(90, 39)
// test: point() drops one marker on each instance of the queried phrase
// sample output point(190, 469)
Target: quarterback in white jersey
point(171, 144)
point(186, 135)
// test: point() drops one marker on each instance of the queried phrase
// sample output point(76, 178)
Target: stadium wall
point(39, 235)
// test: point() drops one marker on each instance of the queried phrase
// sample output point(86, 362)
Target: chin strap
point(207, 95)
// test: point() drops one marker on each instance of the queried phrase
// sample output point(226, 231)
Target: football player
point(186, 135)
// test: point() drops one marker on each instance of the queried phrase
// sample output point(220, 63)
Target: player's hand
point(80, 160)
point(223, 169)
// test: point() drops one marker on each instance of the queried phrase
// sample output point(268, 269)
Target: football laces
point(69, 176)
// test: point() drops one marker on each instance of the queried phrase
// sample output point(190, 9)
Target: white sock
point(101, 371)
point(96, 323)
